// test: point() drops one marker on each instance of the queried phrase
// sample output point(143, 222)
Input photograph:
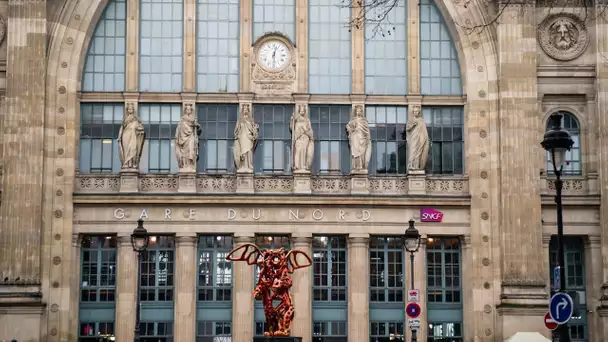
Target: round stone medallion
point(60, 151)
point(486, 262)
point(484, 216)
point(57, 237)
point(54, 308)
point(58, 213)
point(485, 238)
point(484, 195)
point(486, 285)
point(55, 284)
point(483, 134)
point(487, 309)
point(59, 172)
point(488, 332)
point(483, 154)
point(563, 36)
point(62, 90)
point(484, 174)
point(54, 332)
point(56, 260)
point(58, 192)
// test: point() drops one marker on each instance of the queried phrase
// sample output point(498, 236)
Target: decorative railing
point(319, 185)
point(572, 186)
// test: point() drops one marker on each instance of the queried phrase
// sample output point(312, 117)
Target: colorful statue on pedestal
point(274, 282)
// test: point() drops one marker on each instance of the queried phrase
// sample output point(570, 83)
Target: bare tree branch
point(374, 14)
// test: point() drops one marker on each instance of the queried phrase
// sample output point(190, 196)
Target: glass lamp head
point(557, 142)
point(411, 238)
point(139, 237)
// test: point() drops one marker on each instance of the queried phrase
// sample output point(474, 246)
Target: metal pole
point(137, 309)
point(414, 332)
point(564, 331)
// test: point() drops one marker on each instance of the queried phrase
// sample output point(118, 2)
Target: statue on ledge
point(186, 140)
point(274, 282)
point(302, 141)
point(417, 141)
point(245, 140)
point(359, 136)
point(131, 139)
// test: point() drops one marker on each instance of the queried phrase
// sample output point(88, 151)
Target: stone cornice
point(274, 199)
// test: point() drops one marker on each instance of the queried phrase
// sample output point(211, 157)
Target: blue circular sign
point(412, 310)
point(561, 307)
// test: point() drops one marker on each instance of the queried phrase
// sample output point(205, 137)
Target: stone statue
point(131, 139)
point(302, 141)
point(564, 34)
point(417, 141)
point(186, 140)
point(360, 141)
point(245, 140)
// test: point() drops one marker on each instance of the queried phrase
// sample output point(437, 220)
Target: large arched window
point(573, 165)
point(174, 59)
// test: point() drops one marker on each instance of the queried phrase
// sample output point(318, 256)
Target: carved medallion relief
point(563, 36)
point(273, 66)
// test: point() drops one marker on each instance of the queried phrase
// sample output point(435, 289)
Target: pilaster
point(126, 289)
point(523, 276)
point(358, 289)
point(302, 292)
point(468, 297)
point(413, 48)
point(75, 283)
point(593, 275)
point(302, 39)
point(23, 145)
point(242, 300)
point(358, 52)
point(601, 31)
point(185, 287)
point(246, 42)
point(132, 62)
point(190, 45)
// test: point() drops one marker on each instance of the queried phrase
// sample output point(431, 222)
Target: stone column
point(75, 285)
point(302, 34)
point(245, 26)
point(413, 48)
point(23, 146)
point(358, 287)
point(132, 59)
point(190, 12)
point(419, 284)
point(185, 288)
point(302, 291)
point(593, 270)
point(523, 277)
point(242, 300)
point(126, 289)
point(467, 285)
point(358, 52)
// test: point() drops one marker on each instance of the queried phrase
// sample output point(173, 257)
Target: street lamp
point(411, 240)
point(557, 142)
point(139, 241)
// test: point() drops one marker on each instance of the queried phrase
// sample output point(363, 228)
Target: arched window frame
point(574, 160)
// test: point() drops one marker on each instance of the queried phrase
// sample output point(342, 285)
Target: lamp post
point(139, 241)
point(557, 141)
point(411, 240)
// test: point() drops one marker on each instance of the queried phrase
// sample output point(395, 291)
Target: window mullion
point(98, 275)
point(328, 275)
point(212, 258)
point(443, 282)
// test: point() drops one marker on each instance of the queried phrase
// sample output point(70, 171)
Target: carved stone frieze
point(158, 183)
point(334, 185)
point(452, 185)
point(97, 183)
point(216, 184)
point(272, 76)
point(388, 186)
point(563, 36)
point(570, 187)
point(273, 184)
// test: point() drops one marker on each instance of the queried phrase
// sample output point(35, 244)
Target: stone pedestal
point(244, 183)
point(277, 339)
point(187, 182)
point(301, 183)
point(416, 182)
point(359, 184)
point(129, 180)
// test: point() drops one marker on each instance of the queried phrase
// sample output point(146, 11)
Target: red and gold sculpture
point(274, 282)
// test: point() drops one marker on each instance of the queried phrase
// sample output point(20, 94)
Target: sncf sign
point(430, 215)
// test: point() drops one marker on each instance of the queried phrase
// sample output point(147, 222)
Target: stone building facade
point(72, 71)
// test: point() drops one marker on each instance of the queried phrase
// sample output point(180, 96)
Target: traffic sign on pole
point(549, 322)
point(413, 323)
point(561, 307)
point(413, 295)
point(412, 310)
point(556, 278)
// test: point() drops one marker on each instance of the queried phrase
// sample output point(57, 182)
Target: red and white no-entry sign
point(549, 322)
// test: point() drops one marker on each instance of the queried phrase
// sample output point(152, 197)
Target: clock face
point(274, 55)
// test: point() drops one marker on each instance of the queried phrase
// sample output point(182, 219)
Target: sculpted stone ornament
point(563, 36)
point(246, 135)
point(274, 282)
point(360, 141)
point(417, 141)
point(131, 139)
point(2, 30)
point(186, 140)
point(302, 140)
